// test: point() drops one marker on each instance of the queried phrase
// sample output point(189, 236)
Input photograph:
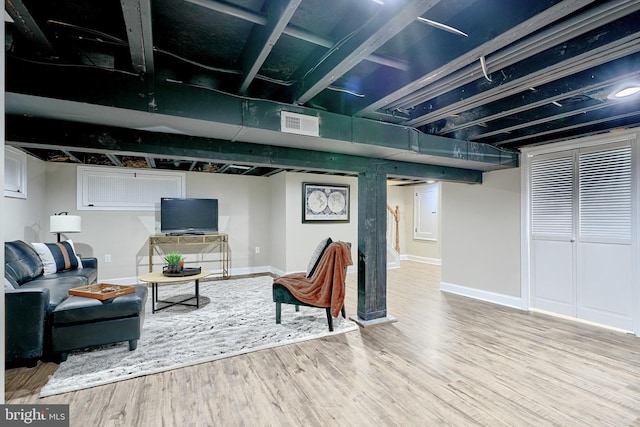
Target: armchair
point(323, 288)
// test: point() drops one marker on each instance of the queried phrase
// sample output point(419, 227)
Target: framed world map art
point(325, 202)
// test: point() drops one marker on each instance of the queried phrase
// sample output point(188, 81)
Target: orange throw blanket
point(325, 288)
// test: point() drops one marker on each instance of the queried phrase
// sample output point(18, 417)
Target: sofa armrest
point(25, 313)
point(90, 262)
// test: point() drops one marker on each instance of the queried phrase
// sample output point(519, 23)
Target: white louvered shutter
point(552, 197)
point(605, 195)
point(126, 189)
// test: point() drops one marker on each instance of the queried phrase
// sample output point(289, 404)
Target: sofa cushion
point(21, 262)
point(317, 254)
point(77, 309)
point(57, 257)
point(58, 286)
point(89, 274)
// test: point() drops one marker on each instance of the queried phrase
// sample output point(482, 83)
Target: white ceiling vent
point(299, 123)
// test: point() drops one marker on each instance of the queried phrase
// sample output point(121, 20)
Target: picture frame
point(325, 202)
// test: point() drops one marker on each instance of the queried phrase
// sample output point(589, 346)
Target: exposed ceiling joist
point(589, 81)
point(379, 83)
point(574, 64)
point(553, 35)
point(495, 43)
point(114, 159)
point(71, 156)
point(346, 54)
point(137, 17)
point(28, 26)
point(263, 38)
point(290, 30)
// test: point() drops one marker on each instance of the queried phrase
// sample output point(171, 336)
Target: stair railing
point(393, 231)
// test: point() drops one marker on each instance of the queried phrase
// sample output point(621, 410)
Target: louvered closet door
point(605, 269)
point(552, 191)
point(582, 226)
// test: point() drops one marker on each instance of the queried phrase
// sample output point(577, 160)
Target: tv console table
point(217, 243)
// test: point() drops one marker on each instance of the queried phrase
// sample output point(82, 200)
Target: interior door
point(552, 236)
point(582, 228)
point(605, 269)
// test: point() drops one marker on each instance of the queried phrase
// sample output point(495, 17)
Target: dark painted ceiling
point(480, 74)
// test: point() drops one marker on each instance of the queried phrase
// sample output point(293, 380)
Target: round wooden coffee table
point(157, 277)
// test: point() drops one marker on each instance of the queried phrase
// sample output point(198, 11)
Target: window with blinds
point(605, 194)
point(552, 196)
point(126, 189)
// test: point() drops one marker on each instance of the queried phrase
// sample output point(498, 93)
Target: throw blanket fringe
point(325, 288)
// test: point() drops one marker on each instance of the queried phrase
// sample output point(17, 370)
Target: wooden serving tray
point(102, 291)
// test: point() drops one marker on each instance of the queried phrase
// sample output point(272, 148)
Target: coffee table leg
point(154, 296)
point(197, 293)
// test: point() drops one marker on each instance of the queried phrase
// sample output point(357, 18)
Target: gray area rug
point(235, 317)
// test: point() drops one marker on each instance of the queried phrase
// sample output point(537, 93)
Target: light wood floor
point(449, 360)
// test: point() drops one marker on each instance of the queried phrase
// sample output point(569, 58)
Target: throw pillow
point(317, 254)
point(57, 256)
point(8, 285)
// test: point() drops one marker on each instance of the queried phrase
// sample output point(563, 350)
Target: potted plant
point(175, 262)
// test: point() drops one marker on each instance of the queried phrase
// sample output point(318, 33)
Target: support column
point(372, 250)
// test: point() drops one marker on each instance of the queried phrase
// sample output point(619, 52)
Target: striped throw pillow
point(57, 257)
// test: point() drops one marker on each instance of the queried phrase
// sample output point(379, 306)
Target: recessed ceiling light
point(627, 91)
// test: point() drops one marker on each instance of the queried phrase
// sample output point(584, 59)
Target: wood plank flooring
point(449, 360)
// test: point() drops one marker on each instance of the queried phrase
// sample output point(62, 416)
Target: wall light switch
point(107, 258)
point(257, 249)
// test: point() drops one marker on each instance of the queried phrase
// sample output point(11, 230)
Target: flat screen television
point(188, 216)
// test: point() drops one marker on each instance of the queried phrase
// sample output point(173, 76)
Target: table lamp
point(64, 223)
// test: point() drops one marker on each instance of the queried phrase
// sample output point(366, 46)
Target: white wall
point(124, 234)
point(256, 212)
point(243, 212)
point(266, 213)
point(301, 239)
point(278, 227)
point(28, 219)
point(481, 234)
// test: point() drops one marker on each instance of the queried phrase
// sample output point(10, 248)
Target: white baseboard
point(277, 271)
point(121, 281)
point(578, 320)
point(492, 297)
point(250, 270)
point(423, 260)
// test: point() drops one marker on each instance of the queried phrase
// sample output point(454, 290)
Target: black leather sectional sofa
point(43, 322)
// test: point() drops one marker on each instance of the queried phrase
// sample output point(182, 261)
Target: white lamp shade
point(65, 224)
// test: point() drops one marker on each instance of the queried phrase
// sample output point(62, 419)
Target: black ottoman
point(80, 322)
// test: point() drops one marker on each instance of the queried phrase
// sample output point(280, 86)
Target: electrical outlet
point(257, 249)
point(107, 258)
